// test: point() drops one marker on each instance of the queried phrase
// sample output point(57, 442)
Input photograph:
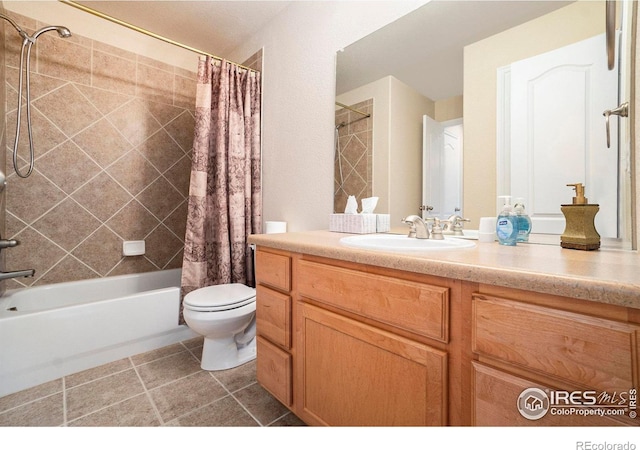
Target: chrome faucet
point(17, 274)
point(9, 243)
point(418, 228)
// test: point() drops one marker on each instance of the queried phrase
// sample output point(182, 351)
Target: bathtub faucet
point(9, 243)
point(17, 274)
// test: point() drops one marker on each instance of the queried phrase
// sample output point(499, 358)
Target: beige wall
point(481, 60)
point(449, 109)
point(397, 143)
point(300, 48)
point(405, 149)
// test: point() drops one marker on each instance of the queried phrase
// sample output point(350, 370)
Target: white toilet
point(225, 315)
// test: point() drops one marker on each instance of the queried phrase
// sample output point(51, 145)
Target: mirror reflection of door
point(442, 167)
point(554, 128)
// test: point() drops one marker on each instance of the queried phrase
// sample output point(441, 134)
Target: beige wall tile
point(63, 58)
point(93, 104)
point(113, 73)
point(154, 84)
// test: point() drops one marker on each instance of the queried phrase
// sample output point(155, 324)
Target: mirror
point(437, 61)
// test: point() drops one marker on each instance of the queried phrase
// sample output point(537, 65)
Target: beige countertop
point(605, 275)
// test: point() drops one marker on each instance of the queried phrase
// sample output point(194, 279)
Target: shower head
point(63, 32)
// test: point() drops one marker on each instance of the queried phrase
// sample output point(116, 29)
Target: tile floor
point(164, 387)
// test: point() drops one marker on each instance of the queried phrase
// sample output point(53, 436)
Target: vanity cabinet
point(274, 366)
point(524, 340)
point(348, 344)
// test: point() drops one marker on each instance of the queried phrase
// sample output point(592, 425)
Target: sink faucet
point(418, 228)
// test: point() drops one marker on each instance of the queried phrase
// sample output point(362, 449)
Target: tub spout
point(17, 274)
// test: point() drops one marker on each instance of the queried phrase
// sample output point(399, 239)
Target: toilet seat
point(221, 297)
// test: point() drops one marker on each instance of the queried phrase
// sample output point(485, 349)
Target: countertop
point(604, 275)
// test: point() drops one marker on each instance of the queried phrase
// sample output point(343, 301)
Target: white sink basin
point(403, 243)
point(468, 234)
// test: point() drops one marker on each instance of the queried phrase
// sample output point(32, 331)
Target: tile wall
point(356, 150)
point(113, 132)
point(3, 142)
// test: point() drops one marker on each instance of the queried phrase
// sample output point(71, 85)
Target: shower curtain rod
point(342, 105)
point(143, 31)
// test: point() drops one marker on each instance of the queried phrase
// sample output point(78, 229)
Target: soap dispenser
point(580, 231)
point(506, 224)
point(523, 220)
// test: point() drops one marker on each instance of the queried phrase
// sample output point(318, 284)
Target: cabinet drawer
point(273, 316)
point(495, 403)
point(417, 307)
point(273, 370)
point(590, 352)
point(273, 270)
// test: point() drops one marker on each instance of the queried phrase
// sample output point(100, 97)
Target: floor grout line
point(246, 409)
point(64, 402)
point(148, 395)
point(228, 390)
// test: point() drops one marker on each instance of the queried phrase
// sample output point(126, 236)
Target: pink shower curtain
point(225, 201)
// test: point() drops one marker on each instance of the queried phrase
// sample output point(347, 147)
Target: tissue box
point(352, 223)
point(383, 223)
point(359, 223)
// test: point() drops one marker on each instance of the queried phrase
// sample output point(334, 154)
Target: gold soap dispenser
point(580, 231)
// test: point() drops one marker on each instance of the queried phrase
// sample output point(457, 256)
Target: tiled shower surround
point(356, 149)
point(113, 133)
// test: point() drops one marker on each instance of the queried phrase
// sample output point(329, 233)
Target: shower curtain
point(225, 201)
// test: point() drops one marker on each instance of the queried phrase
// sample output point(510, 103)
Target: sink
point(468, 234)
point(403, 243)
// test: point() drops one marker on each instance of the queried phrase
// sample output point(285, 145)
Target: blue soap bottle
point(523, 221)
point(506, 223)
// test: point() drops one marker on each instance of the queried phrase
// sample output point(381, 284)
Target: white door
point(432, 177)
point(452, 168)
point(558, 135)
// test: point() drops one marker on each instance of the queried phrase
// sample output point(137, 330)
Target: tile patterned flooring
point(163, 387)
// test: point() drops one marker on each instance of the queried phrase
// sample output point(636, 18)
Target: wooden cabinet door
point(496, 395)
point(354, 374)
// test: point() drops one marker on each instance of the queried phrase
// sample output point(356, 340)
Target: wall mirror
point(427, 125)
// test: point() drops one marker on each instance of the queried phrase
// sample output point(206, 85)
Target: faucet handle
point(457, 225)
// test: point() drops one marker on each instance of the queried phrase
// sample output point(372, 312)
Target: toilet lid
point(220, 297)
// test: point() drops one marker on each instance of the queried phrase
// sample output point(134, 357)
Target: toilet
point(225, 315)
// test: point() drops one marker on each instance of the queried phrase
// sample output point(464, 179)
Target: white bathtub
point(47, 332)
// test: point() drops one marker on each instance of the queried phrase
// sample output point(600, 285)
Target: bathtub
point(50, 331)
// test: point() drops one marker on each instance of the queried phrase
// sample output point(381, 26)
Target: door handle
point(622, 111)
